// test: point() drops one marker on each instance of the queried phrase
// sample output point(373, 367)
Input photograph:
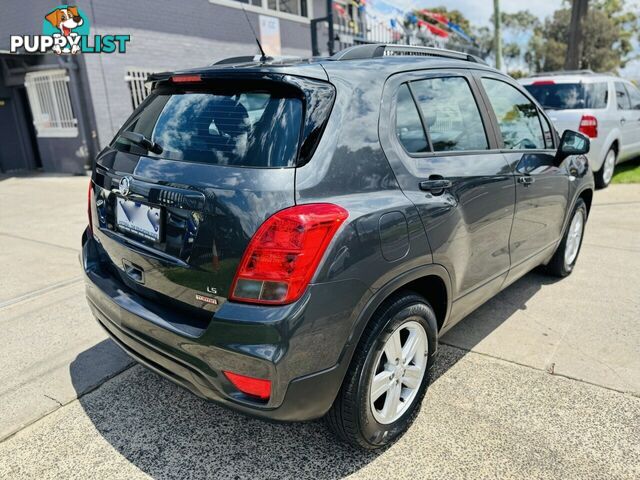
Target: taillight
point(256, 387)
point(589, 126)
point(284, 253)
point(89, 206)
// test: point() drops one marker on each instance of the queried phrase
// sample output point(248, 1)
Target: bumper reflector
point(256, 387)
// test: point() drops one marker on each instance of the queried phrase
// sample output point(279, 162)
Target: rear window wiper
point(142, 141)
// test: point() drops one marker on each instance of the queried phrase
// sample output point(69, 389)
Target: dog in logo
point(65, 20)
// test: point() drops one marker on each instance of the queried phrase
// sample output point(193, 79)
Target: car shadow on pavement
point(168, 433)
point(478, 325)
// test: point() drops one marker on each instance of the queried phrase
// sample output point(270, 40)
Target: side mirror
point(572, 143)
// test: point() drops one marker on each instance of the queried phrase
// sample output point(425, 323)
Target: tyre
point(565, 258)
point(605, 174)
point(388, 375)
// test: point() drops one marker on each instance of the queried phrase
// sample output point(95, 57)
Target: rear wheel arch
point(587, 196)
point(616, 146)
point(417, 280)
point(430, 281)
point(434, 290)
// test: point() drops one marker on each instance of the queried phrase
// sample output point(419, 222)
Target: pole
point(573, 59)
point(497, 34)
point(330, 22)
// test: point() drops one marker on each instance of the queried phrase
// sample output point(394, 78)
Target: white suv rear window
point(569, 96)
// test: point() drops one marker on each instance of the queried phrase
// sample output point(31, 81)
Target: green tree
point(516, 26)
point(512, 53)
point(520, 22)
point(608, 32)
point(484, 39)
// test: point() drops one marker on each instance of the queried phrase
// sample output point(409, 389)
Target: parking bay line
point(42, 291)
point(41, 242)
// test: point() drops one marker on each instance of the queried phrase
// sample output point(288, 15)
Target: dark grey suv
point(290, 239)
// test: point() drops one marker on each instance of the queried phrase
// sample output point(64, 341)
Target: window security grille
point(135, 78)
point(48, 93)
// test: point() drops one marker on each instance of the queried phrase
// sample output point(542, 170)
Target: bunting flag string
point(340, 9)
point(458, 30)
point(399, 22)
point(454, 27)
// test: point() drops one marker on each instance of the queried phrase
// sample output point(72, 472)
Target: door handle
point(623, 121)
point(435, 186)
point(526, 180)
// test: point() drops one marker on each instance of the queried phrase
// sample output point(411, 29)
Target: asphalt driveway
point(541, 382)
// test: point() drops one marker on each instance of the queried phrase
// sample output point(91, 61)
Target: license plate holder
point(139, 219)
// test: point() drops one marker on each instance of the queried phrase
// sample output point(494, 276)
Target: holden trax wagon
point(604, 107)
point(289, 239)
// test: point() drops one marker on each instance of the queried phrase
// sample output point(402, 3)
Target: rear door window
point(408, 124)
point(634, 97)
point(517, 116)
point(239, 128)
point(450, 113)
point(622, 98)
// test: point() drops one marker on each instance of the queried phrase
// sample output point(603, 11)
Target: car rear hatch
point(566, 101)
point(194, 172)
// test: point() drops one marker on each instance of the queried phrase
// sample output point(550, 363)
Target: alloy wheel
point(574, 238)
point(609, 166)
point(399, 370)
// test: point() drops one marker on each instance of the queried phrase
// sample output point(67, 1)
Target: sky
point(479, 13)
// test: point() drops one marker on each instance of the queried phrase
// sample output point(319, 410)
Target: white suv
point(602, 106)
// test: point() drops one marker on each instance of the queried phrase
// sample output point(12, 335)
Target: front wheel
point(565, 258)
point(605, 174)
point(388, 375)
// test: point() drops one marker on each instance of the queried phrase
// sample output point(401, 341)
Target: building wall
point(164, 37)
point(20, 148)
point(22, 17)
point(15, 147)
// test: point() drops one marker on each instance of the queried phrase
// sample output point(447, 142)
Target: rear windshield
point(240, 128)
point(569, 96)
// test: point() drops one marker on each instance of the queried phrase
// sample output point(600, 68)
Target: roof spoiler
point(256, 59)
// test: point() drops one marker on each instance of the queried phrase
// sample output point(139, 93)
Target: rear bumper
point(597, 151)
point(298, 347)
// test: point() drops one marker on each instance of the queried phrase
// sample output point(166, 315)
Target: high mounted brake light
point(186, 78)
point(544, 82)
point(284, 253)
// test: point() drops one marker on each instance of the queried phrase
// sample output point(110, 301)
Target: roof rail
point(377, 50)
